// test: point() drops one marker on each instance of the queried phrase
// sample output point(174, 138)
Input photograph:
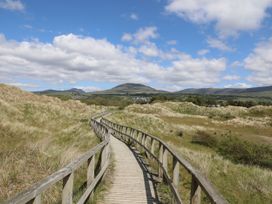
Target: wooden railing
point(151, 145)
point(66, 175)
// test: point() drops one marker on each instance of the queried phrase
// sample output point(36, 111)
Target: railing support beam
point(67, 191)
point(195, 192)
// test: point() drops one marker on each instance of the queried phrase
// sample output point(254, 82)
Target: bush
point(204, 138)
point(245, 152)
point(180, 133)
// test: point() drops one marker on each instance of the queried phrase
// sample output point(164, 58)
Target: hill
point(211, 138)
point(39, 134)
point(49, 92)
point(130, 88)
point(256, 91)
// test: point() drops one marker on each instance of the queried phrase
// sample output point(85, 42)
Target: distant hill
point(51, 91)
point(257, 91)
point(130, 88)
point(73, 93)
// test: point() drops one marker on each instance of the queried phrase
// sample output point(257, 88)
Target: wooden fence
point(66, 174)
point(150, 145)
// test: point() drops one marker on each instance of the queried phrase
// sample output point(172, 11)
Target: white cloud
point(127, 37)
point(143, 35)
point(259, 62)
point(27, 26)
point(236, 64)
point(23, 85)
point(238, 85)
point(134, 16)
point(231, 77)
point(194, 72)
point(150, 50)
point(88, 88)
point(172, 42)
point(230, 16)
point(13, 5)
point(218, 44)
point(203, 52)
point(71, 58)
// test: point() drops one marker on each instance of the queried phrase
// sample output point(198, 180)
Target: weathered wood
point(195, 192)
point(161, 160)
point(175, 173)
point(36, 200)
point(90, 170)
point(91, 187)
point(165, 161)
point(103, 157)
point(153, 146)
point(67, 190)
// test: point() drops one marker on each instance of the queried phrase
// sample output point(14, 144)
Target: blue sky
point(168, 44)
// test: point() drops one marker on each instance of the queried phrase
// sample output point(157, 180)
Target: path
point(132, 183)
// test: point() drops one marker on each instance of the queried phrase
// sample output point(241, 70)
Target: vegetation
point(39, 135)
point(229, 145)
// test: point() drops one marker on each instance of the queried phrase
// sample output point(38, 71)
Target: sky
point(167, 44)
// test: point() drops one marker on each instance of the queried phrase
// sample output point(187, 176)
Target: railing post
point(143, 139)
point(67, 191)
point(160, 159)
point(146, 141)
point(103, 157)
point(195, 192)
point(36, 200)
point(138, 136)
point(165, 160)
point(175, 172)
point(152, 146)
point(90, 170)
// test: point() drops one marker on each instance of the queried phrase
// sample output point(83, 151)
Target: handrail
point(33, 194)
point(147, 142)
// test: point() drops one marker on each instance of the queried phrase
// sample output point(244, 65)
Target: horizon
point(86, 91)
point(169, 45)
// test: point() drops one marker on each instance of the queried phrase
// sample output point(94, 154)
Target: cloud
point(23, 85)
point(259, 62)
point(143, 35)
point(72, 58)
point(203, 52)
point(231, 77)
point(88, 88)
point(238, 85)
point(13, 5)
point(218, 44)
point(134, 16)
point(26, 26)
point(229, 16)
point(150, 50)
point(127, 37)
point(236, 64)
point(172, 42)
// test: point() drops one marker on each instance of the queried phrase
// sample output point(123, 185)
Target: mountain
point(256, 91)
point(130, 88)
point(69, 91)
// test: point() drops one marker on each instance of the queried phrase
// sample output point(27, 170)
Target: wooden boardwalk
point(132, 182)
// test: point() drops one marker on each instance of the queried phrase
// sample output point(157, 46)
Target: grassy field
point(39, 135)
point(181, 125)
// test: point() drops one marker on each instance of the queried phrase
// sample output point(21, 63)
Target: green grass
point(39, 135)
point(238, 183)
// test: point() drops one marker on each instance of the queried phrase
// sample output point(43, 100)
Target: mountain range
point(133, 88)
point(256, 91)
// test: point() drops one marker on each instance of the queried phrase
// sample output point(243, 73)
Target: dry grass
point(39, 135)
point(238, 183)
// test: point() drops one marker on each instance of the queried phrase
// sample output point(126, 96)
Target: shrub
point(180, 133)
point(245, 152)
point(204, 138)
